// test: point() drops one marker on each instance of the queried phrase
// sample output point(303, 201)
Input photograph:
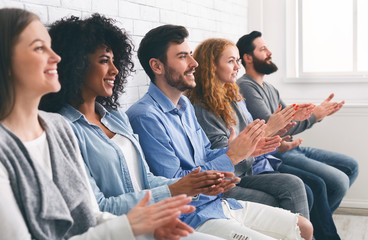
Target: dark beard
point(178, 82)
point(261, 66)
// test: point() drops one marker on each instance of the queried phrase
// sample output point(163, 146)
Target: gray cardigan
point(218, 134)
point(55, 208)
point(263, 101)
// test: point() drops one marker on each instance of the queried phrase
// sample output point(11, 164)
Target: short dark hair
point(74, 39)
point(245, 44)
point(156, 42)
point(12, 23)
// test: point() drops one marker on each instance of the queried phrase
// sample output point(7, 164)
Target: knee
point(306, 228)
point(318, 186)
point(354, 171)
point(296, 182)
point(342, 184)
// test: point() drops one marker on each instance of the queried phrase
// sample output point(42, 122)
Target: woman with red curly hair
point(222, 113)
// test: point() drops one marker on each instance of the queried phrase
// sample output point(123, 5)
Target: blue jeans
point(329, 175)
point(320, 215)
point(338, 171)
point(274, 189)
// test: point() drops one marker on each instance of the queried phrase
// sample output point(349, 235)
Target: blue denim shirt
point(174, 145)
point(106, 166)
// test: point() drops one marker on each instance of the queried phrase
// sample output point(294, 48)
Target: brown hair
point(209, 92)
point(12, 22)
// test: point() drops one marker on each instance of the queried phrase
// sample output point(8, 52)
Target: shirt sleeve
point(123, 203)
point(161, 156)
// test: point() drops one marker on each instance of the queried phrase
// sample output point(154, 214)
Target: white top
point(131, 158)
point(40, 153)
point(12, 224)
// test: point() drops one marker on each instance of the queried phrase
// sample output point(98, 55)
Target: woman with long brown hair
point(221, 110)
point(45, 192)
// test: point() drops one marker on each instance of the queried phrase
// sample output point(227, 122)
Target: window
point(327, 40)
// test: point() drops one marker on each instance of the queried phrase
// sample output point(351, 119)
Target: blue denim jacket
point(174, 145)
point(106, 167)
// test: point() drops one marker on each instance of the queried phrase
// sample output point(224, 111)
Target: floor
point(352, 224)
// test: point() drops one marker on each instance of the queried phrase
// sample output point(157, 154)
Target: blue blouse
point(105, 163)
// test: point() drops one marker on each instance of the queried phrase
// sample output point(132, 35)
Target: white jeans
point(253, 222)
point(193, 236)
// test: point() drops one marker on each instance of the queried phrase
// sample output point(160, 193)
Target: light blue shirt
point(106, 166)
point(174, 145)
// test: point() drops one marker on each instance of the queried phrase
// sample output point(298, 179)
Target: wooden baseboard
point(352, 211)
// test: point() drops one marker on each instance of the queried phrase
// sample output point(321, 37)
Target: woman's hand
point(210, 182)
point(280, 119)
point(245, 143)
point(173, 230)
point(266, 145)
point(304, 111)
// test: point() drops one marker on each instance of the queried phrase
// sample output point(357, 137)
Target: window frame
point(294, 57)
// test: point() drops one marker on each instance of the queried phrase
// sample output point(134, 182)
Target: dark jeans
point(321, 215)
point(275, 189)
point(338, 171)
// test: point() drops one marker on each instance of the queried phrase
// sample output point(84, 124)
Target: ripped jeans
point(253, 222)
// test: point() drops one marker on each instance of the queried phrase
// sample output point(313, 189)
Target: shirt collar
point(73, 114)
point(163, 101)
point(248, 76)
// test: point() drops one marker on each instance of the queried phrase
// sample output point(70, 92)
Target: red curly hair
point(210, 93)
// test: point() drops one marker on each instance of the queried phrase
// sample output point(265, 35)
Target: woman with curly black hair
point(74, 39)
point(96, 61)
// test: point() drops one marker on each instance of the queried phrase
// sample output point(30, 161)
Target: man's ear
point(157, 66)
point(247, 58)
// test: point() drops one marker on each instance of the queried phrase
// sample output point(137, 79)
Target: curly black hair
point(74, 39)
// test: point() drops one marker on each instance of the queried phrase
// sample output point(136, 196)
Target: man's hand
point(327, 108)
point(145, 219)
point(225, 185)
point(286, 146)
point(304, 111)
point(279, 119)
point(207, 182)
point(284, 130)
point(266, 145)
point(245, 143)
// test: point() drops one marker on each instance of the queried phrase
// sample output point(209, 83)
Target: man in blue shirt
point(174, 143)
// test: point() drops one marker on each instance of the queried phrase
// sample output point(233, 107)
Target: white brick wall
point(203, 18)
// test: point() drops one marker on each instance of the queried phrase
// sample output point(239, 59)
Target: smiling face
point(101, 73)
point(180, 66)
point(34, 63)
point(228, 65)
